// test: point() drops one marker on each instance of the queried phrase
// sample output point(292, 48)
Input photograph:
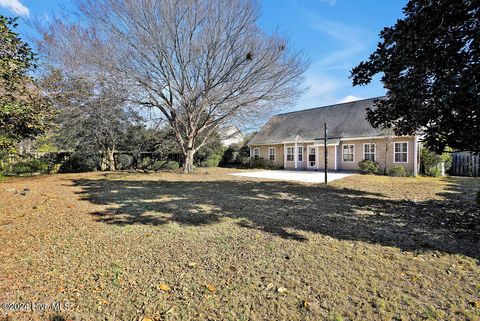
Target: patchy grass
point(210, 246)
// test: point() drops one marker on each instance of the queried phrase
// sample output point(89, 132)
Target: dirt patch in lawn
point(210, 246)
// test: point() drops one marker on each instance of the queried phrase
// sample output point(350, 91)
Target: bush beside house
point(258, 162)
point(432, 162)
point(397, 171)
point(431, 165)
point(368, 166)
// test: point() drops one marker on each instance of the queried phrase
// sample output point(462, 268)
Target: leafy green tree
point(432, 161)
point(430, 66)
point(139, 138)
point(24, 111)
point(92, 116)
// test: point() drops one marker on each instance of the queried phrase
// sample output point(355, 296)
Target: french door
point(312, 157)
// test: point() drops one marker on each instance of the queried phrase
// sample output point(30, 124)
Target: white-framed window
point(348, 151)
point(290, 154)
point(400, 154)
point(300, 153)
point(256, 152)
point(271, 154)
point(369, 151)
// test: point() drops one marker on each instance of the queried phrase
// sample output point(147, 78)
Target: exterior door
point(312, 157)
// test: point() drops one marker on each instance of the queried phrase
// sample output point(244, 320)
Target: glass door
point(312, 157)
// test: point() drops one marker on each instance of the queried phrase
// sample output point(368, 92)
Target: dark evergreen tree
point(430, 66)
point(24, 111)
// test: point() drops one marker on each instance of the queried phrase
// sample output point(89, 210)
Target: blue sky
point(335, 34)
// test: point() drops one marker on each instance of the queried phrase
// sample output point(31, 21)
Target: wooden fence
point(466, 164)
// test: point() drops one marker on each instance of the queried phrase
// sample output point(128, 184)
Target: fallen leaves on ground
point(224, 247)
point(164, 287)
point(211, 288)
point(282, 290)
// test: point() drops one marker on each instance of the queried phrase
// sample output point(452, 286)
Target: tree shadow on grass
point(286, 209)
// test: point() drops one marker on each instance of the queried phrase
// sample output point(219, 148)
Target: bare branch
point(202, 63)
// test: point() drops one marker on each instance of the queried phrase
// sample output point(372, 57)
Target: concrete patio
point(299, 176)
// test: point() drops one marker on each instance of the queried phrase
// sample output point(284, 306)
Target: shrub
point(397, 170)
point(54, 168)
point(81, 162)
point(258, 162)
point(3, 160)
point(431, 162)
point(123, 161)
point(214, 158)
point(28, 167)
point(230, 156)
point(146, 163)
point(368, 166)
point(163, 165)
point(158, 165)
point(212, 161)
point(171, 165)
point(434, 171)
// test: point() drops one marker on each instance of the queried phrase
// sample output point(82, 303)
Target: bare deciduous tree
point(202, 64)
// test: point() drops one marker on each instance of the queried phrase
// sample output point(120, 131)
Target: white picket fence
point(466, 164)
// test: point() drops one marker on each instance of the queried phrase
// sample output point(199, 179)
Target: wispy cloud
point(15, 6)
point(350, 39)
point(321, 90)
point(349, 98)
point(327, 78)
point(328, 75)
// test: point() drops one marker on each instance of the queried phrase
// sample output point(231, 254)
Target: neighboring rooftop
point(345, 120)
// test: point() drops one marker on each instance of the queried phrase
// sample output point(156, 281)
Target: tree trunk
point(188, 161)
point(108, 160)
point(111, 159)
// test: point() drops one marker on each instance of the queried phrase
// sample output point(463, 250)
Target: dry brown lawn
point(210, 246)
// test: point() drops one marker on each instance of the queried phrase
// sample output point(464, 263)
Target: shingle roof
point(344, 120)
